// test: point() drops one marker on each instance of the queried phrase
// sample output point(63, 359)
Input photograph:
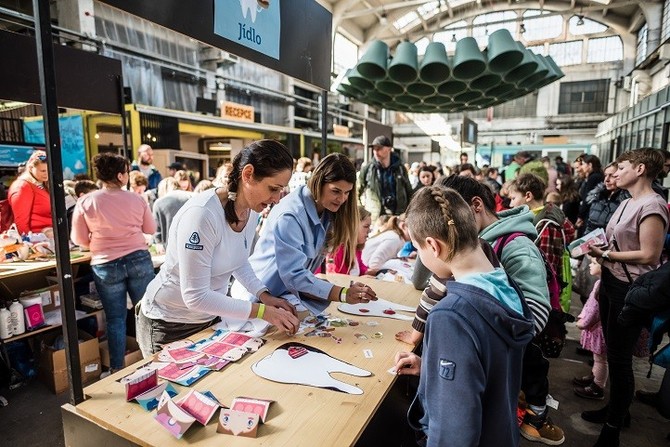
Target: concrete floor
point(33, 417)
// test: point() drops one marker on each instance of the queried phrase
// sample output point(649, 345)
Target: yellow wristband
point(261, 311)
point(343, 294)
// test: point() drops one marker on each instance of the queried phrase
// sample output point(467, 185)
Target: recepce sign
point(238, 112)
point(255, 24)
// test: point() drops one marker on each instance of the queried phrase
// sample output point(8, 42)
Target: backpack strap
point(503, 240)
point(546, 223)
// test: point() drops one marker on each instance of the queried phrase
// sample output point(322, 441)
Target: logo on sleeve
point(194, 242)
point(447, 369)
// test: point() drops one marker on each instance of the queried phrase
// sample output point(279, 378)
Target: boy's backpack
point(555, 252)
point(552, 338)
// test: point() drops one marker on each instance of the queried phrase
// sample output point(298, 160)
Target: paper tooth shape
point(312, 368)
point(238, 423)
point(173, 418)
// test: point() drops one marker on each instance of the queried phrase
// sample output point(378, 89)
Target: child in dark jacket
point(470, 374)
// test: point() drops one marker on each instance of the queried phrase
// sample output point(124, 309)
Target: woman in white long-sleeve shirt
point(210, 240)
point(386, 244)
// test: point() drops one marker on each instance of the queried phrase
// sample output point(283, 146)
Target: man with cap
point(383, 184)
point(174, 167)
point(144, 164)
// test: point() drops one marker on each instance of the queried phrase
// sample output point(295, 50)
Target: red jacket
point(31, 206)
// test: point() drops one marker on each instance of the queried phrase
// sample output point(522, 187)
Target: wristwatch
point(606, 255)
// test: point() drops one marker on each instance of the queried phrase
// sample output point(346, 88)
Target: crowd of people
point(489, 248)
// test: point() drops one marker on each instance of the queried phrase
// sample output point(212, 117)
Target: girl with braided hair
point(470, 374)
point(209, 240)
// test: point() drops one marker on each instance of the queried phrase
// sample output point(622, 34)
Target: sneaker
point(647, 397)
point(591, 391)
point(600, 416)
point(539, 428)
point(583, 381)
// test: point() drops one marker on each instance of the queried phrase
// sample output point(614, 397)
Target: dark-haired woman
point(111, 222)
point(308, 223)
point(209, 240)
point(589, 169)
point(635, 235)
point(570, 197)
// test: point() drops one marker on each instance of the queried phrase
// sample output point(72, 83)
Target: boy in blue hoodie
point(470, 374)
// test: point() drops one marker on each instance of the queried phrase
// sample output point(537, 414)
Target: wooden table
point(16, 277)
point(300, 416)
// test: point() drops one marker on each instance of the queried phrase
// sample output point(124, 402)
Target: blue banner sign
point(255, 24)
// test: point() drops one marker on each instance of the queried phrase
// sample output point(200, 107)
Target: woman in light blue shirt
point(300, 230)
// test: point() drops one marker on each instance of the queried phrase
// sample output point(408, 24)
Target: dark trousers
point(534, 380)
point(152, 334)
point(620, 342)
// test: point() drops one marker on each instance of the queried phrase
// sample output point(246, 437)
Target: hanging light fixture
point(453, 38)
point(522, 28)
point(383, 20)
point(580, 20)
point(471, 79)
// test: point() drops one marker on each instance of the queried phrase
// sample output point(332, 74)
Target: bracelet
point(606, 254)
point(343, 294)
point(261, 311)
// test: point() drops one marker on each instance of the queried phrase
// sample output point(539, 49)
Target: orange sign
point(238, 112)
point(341, 131)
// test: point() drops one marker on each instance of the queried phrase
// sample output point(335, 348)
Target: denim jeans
point(128, 275)
point(153, 334)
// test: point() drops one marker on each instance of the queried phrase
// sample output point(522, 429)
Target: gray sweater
point(164, 211)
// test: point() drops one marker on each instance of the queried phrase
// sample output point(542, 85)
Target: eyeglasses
point(42, 157)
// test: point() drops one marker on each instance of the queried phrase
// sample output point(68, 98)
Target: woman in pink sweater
point(112, 223)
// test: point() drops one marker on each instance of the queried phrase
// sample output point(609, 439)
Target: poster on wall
point(73, 150)
point(255, 24)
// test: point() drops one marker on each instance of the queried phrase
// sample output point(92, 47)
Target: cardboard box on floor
point(53, 366)
point(133, 353)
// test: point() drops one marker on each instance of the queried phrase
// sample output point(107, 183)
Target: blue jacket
point(471, 370)
point(153, 178)
point(291, 247)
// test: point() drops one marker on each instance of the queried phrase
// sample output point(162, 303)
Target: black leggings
point(620, 342)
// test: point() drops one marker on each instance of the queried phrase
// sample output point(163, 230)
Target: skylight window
point(539, 27)
point(407, 21)
point(429, 9)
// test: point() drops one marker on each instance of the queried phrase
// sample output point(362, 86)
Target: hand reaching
point(274, 301)
point(282, 319)
point(407, 364)
point(410, 337)
point(360, 293)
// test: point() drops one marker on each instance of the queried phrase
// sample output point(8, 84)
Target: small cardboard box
point(53, 365)
point(133, 353)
